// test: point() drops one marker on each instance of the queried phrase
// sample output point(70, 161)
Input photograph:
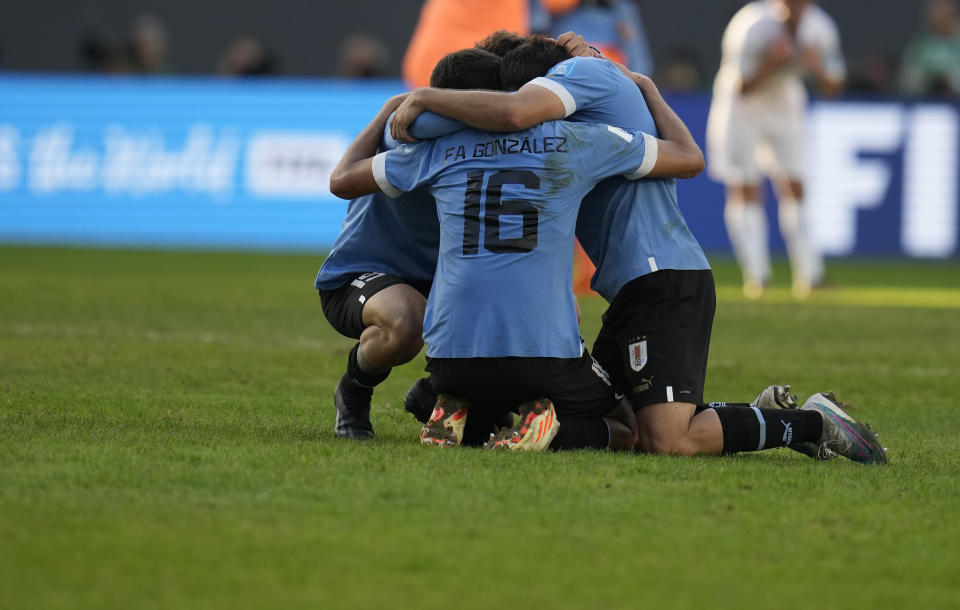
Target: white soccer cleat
point(776, 397)
point(447, 422)
point(537, 427)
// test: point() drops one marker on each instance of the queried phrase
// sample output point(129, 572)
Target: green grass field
point(166, 442)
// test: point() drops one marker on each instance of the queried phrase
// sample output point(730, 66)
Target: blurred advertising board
point(176, 162)
point(206, 162)
point(882, 179)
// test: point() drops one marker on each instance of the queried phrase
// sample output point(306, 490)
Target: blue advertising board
point(206, 162)
point(176, 162)
point(882, 178)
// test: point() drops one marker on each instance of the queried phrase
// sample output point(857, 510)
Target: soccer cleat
point(353, 409)
point(842, 435)
point(447, 422)
point(538, 425)
point(779, 397)
point(420, 399)
point(776, 397)
point(813, 450)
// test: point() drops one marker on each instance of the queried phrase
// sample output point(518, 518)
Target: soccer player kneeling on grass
point(500, 322)
point(374, 284)
point(656, 334)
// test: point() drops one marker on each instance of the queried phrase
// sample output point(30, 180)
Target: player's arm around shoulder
point(487, 110)
point(677, 153)
point(354, 174)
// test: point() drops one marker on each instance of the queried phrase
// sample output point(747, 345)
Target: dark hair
point(533, 58)
point(501, 42)
point(467, 69)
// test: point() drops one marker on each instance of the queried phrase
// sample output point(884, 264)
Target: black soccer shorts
point(656, 335)
point(343, 306)
point(578, 387)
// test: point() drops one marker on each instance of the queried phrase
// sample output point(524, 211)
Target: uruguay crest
point(637, 352)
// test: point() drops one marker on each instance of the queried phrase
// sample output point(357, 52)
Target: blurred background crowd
point(891, 46)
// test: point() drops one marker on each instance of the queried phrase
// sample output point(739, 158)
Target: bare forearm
point(487, 110)
point(367, 142)
point(669, 124)
point(352, 176)
point(680, 156)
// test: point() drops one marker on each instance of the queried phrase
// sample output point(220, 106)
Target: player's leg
point(732, 140)
point(793, 228)
point(661, 343)
point(671, 428)
point(746, 222)
point(806, 260)
point(490, 386)
point(590, 411)
point(394, 329)
point(654, 341)
point(564, 403)
point(787, 145)
point(386, 315)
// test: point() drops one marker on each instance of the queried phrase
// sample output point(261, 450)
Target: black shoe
point(420, 400)
point(353, 410)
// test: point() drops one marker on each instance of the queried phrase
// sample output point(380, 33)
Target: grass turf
point(166, 441)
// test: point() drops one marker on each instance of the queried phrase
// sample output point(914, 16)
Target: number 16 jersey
point(508, 207)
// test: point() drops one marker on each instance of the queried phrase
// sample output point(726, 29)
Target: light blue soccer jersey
point(378, 235)
point(426, 126)
point(627, 228)
point(508, 205)
point(401, 240)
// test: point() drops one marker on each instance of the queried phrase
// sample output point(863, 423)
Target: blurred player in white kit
point(756, 129)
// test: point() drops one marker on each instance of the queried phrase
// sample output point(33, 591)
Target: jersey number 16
point(494, 209)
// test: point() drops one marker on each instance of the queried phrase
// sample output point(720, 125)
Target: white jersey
point(754, 30)
point(752, 134)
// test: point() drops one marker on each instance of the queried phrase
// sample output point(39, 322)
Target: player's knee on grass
point(664, 429)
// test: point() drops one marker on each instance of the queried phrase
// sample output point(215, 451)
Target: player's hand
point(782, 50)
point(811, 60)
point(576, 46)
point(406, 112)
point(643, 81)
point(394, 102)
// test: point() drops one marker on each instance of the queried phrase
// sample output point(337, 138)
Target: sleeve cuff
point(380, 175)
point(569, 105)
point(650, 151)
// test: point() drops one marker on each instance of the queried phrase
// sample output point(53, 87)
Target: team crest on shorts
point(637, 353)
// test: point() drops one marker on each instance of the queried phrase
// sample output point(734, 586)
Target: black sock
point(590, 432)
point(358, 375)
point(752, 429)
point(713, 405)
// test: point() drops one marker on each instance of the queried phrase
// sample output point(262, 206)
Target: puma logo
point(787, 433)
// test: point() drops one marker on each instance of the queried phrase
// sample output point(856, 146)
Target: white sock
point(733, 218)
point(795, 237)
point(757, 266)
point(814, 255)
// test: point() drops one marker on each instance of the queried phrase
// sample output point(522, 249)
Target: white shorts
point(752, 137)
